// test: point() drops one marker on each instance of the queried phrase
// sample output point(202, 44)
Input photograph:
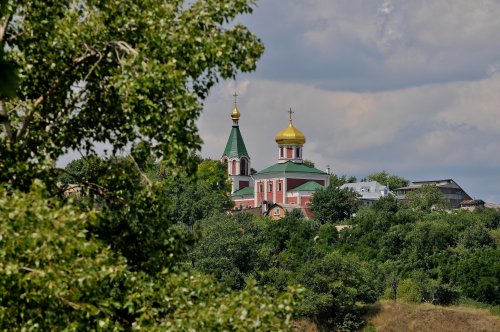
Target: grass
point(398, 316)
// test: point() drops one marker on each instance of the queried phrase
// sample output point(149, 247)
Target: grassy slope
point(400, 316)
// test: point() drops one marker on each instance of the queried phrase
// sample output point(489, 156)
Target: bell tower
point(235, 154)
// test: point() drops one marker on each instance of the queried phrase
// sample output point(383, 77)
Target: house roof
point(243, 192)
point(235, 147)
point(308, 186)
point(286, 207)
point(290, 167)
point(438, 183)
point(472, 202)
point(371, 190)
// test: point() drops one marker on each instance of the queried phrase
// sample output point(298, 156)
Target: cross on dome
point(291, 112)
point(235, 95)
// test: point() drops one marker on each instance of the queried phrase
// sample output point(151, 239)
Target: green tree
point(393, 181)
point(94, 71)
point(227, 248)
point(55, 275)
point(194, 199)
point(426, 198)
point(309, 163)
point(333, 204)
point(138, 212)
point(337, 181)
point(389, 204)
point(477, 273)
point(83, 170)
point(334, 283)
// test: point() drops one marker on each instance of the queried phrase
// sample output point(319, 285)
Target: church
point(287, 184)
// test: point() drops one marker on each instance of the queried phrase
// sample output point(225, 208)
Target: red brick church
point(283, 186)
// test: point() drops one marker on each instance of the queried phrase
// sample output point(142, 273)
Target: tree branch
point(143, 175)
point(99, 190)
point(75, 63)
point(4, 119)
point(92, 52)
point(4, 25)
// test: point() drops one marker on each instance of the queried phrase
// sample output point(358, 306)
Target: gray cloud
point(377, 45)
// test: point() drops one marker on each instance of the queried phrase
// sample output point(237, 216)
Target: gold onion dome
point(290, 136)
point(235, 114)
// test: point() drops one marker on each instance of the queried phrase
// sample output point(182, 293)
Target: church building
point(285, 185)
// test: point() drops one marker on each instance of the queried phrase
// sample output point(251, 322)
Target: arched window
point(297, 152)
point(243, 166)
point(233, 168)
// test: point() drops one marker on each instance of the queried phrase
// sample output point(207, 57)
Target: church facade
point(287, 184)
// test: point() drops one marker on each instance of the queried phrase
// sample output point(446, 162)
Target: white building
point(369, 191)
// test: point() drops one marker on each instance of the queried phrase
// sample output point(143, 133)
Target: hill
point(389, 316)
point(400, 316)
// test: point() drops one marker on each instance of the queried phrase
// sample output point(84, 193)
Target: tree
point(393, 181)
point(192, 200)
point(477, 273)
point(309, 163)
point(94, 71)
point(426, 198)
point(227, 248)
point(389, 204)
point(333, 204)
point(138, 212)
point(83, 170)
point(337, 181)
point(334, 283)
point(55, 276)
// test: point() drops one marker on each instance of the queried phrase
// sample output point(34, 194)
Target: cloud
point(358, 45)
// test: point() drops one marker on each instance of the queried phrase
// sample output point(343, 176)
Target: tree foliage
point(426, 198)
point(333, 204)
point(138, 210)
point(337, 181)
point(97, 71)
point(54, 274)
point(387, 179)
point(291, 251)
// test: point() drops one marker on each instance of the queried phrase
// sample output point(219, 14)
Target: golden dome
point(290, 136)
point(235, 115)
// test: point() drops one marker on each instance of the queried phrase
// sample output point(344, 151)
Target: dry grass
point(400, 316)
point(304, 325)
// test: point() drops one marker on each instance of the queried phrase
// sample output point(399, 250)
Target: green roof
point(290, 167)
point(308, 186)
point(243, 192)
point(235, 146)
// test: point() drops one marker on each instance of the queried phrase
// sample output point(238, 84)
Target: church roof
point(243, 192)
point(235, 146)
point(290, 136)
point(308, 186)
point(290, 167)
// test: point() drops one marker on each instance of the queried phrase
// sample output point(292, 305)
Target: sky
point(410, 87)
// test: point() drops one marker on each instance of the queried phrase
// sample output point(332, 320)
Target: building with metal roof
point(448, 187)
